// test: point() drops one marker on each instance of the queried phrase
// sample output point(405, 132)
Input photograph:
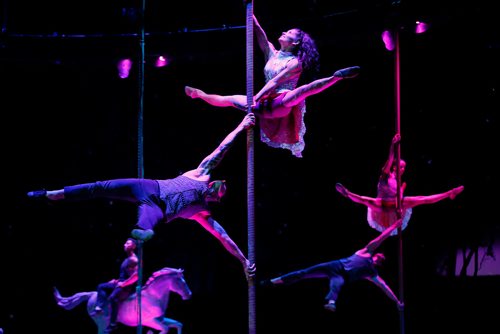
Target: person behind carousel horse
point(185, 196)
point(360, 265)
point(120, 288)
point(280, 104)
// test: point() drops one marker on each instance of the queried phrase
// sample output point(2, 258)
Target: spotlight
point(161, 61)
point(388, 39)
point(124, 66)
point(421, 27)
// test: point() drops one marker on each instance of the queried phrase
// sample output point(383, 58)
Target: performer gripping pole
point(398, 193)
point(280, 104)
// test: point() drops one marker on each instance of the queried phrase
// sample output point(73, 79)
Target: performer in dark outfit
point(185, 196)
point(362, 264)
point(119, 289)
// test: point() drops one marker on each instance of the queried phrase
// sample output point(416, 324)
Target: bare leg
point(237, 101)
point(299, 94)
point(413, 201)
point(371, 202)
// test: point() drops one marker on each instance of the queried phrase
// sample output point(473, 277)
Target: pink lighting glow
point(124, 66)
point(161, 61)
point(421, 27)
point(388, 40)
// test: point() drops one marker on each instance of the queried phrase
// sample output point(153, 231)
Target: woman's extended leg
point(299, 94)
point(413, 201)
point(237, 101)
point(371, 202)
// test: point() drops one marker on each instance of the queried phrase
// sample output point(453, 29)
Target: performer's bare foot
point(342, 190)
point(455, 191)
point(192, 92)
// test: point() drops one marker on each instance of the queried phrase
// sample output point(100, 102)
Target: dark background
point(69, 119)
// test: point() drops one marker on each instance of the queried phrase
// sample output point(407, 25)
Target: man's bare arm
point(213, 159)
point(375, 243)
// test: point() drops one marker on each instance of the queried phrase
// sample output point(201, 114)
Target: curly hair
point(307, 52)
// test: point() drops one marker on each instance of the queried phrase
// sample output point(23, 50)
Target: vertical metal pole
point(140, 245)
point(250, 168)
point(140, 160)
point(398, 175)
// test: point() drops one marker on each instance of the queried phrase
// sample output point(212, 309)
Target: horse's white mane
point(162, 272)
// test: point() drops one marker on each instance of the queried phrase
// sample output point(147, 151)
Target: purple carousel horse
point(154, 300)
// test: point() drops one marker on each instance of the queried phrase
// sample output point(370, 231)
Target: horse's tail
point(71, 302)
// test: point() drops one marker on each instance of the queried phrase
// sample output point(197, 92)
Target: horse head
point(166, 280)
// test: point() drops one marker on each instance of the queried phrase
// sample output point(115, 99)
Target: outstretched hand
point(341, 189)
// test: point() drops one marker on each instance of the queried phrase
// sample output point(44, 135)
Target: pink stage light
point(388, 39)
point(161, 61)
point(421, 27)
point(124, 66)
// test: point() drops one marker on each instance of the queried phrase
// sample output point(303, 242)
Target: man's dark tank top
point(357, 267)
point(182, 196)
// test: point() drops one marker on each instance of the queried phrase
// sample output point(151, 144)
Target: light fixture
point(388, 39)
point(124, 66)
point(389, 35)
point(421, 27)
point(161, 61)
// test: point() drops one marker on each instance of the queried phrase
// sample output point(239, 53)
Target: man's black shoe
point(37, 194)
point(266, 283)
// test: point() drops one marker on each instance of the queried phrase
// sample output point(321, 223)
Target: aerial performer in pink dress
point(280, 104)
point(382, 210)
